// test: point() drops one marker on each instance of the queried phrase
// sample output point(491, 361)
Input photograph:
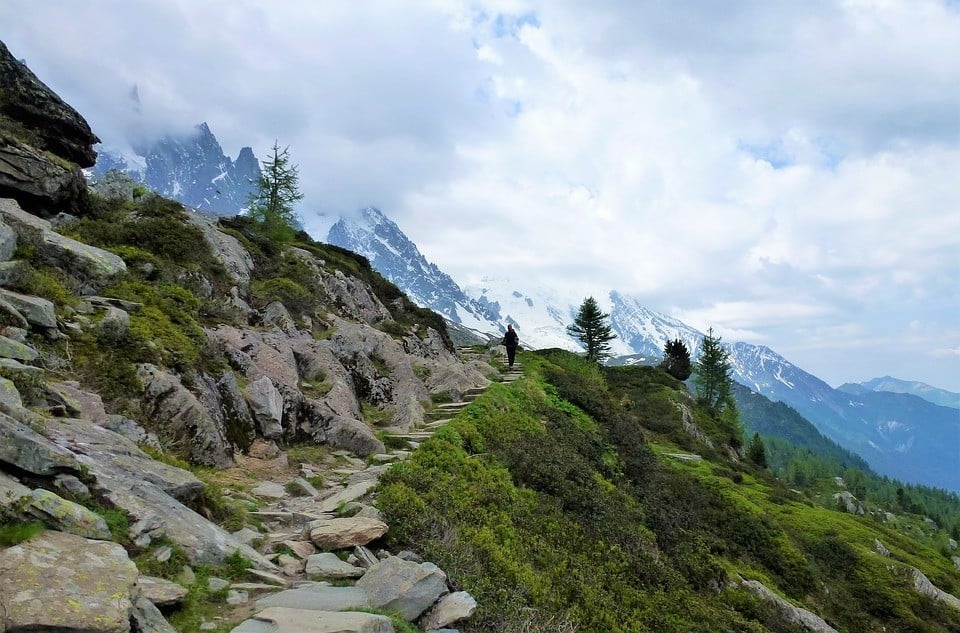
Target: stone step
point(452, 405)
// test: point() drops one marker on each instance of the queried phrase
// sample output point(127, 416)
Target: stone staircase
point(303, 525)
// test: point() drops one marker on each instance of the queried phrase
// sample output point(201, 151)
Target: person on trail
point(510, 341)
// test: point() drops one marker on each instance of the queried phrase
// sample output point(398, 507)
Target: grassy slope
point(554, 503)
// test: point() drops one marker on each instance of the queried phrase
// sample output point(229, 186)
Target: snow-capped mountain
point(394, 256)
point(898, 434)
point(191, 169)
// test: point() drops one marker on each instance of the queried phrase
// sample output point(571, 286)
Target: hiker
point(511, 340)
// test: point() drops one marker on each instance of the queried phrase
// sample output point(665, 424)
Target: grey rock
point(290, 565)
point(9, 394)
point(236, 597)
point(130, 429)
point(226, 248)
point(266, 403)
point(66, 599)
point(148, 618)
point(793, 614)
point(161, 592)
point(365, 558)
point(404, 587)
point(67, 516)
point(182, 421)
point(304, 487)
point(115, 185)
point(952, 544)
point(18, 351)
point(451, 608)
point(410, 556)
point(72, 486)
point(277, 315)
point(956, 561)
point(352, 435)
point(246, 535)
point(327, 565)
point(318, 598)
point(923, 585)
point(849, 503)
point(217, 584)
point(880, 548)
point(37, 312)
point(301, 549)
point(12, 273)
point(369, 512)
point(94, 265)
point(186, 577)
point(11, 490)
point(234, 411)
point(8, 241)
point(26, 449)
point(270, 490)
point(117, 321)
point(287, 620)
point(336, 534)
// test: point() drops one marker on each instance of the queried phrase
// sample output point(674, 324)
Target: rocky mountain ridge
point(191, 169)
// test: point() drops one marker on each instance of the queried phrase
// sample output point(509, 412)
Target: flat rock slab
point(327, 565)
point(28, 450)
point(270, 490)
point(348, 494)
point(161, 592)
point(63, 582)
point(284, 620)
point(318, 598)
point(333, 534)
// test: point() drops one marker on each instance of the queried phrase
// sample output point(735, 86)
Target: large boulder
point(923, 586)
point(43, 142)
point(91, 264)
point(332, 534)
point(63, 582)
point(38, 312)
point(795, 615)
point(403, 586)
point(266, 403)
point(451, 608)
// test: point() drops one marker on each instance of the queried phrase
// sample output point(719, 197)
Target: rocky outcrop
point(923, 586)
point(793, 614)
point(227, 249)
point(43, 141)
point(848, 502)
point(93, 266)
point(183, 424)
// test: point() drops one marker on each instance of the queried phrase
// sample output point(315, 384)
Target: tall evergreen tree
point(591, 329)
point(676, 359)
point(712, 375)
point(756, 452)
point(278, 190)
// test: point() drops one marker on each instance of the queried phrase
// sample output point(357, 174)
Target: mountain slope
point(929, 393)
point(914, 441)
point(394, 256)
point(192, 170)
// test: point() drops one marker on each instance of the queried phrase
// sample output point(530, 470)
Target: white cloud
point(783, 171)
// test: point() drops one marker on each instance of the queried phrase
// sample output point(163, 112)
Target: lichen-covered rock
point(183, 424)
point(62, 582)
point(67, 516)
point(148, 618)
point(16, 350)
point(37, 312)
point(161, 592)
point(9, 394)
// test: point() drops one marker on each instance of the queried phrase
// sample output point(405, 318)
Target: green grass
point(18, 532)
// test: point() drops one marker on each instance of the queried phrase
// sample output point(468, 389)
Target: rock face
point(63, 582)
point(43, 141)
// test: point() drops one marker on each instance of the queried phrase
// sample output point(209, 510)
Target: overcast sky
point(786, 172)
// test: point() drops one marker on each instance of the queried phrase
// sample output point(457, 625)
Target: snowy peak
point(940, 397)
point(393, 255)
point(191, 169)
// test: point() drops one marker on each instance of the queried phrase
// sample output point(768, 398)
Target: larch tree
point(278, 190)
point(590, 327)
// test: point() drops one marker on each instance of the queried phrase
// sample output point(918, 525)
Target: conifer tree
point(756, 451)
point(712, 375)
point(278, 189)
point(591, 329)
point(676, 359)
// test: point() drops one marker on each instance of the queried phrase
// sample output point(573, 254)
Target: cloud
point(783, 171)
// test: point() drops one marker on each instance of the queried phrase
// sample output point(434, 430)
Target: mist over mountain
point(898, 434)
point(191, 169)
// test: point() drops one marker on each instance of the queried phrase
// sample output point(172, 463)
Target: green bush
point(13, 533)
point(292, 295)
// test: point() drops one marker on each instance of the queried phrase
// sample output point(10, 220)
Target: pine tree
point(756, 452)
point(277, 191)
point(712, 379)
point(676, 359)
point(591, 329)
